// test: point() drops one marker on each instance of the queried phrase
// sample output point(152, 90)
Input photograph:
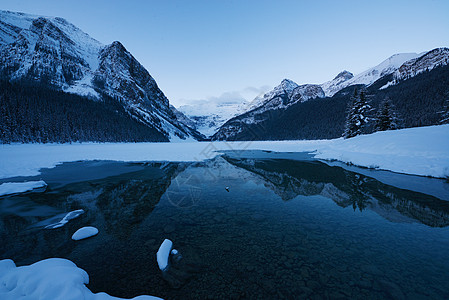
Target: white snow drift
point(419, 151)
point(54, 278)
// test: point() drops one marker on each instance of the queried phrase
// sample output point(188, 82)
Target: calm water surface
point(283, 229)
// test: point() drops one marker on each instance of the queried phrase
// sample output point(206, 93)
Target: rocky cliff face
point(426, 62)
point(53, 51)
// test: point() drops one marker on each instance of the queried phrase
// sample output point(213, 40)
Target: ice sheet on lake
point(53, 278)
point(9, 188)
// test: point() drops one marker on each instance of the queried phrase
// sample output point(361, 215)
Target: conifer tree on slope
point(386, 118)
point(357, 115)
point(445, 112)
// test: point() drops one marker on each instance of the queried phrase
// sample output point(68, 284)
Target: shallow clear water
point(283, 229)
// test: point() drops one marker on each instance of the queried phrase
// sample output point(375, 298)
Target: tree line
point(417, 101)
point(34, 112)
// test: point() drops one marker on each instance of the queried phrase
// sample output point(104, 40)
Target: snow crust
point(419, 151)
point(84, 233)
point(8, 188)
point(53, 278)
point(163, 253)
point(69, 216)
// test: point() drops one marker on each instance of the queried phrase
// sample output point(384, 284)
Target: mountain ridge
point(56, 52)
point(376, 79)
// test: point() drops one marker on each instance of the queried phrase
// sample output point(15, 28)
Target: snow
point(8, 188)
point(84, 233)
point(389, 83)
point(368, 77)
point(163, 253)
point(69, 216)
point(53, 278)
point(419, 151)
point(83, 87)
point(83, 46)
point(425, 62)
point(210, 115)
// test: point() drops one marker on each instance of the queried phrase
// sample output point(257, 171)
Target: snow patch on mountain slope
point(83, 87)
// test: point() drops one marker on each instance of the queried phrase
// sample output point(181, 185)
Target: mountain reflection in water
point(284, 228)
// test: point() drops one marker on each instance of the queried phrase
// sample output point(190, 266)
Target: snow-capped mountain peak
point(54, 51)
point(388, 66)
point(288, 86)
point(344, 75)
point(332, 86)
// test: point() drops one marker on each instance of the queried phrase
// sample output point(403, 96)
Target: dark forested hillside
point(416, 101)
point(37, 113)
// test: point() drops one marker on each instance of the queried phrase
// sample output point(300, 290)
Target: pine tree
point(386, 118)
point(357, 115)
point(445, 112)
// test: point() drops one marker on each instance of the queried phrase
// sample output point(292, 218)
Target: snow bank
point(8, 188)
point(84, 233)
point(53, 278)
point(419, 151)
point(163, 253)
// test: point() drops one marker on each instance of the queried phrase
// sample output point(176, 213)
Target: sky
point(235, 50)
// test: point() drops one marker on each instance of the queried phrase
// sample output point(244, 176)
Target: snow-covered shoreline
point(8, 188)
point(420, 151)
point(53, 278)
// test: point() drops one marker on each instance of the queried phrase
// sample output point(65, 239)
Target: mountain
point(416, 84)
point(208, 116)
point(426, 62)
point(368, 77)
point(289, 179)
point(333, 86)
point(286, 94)
point(54, 52)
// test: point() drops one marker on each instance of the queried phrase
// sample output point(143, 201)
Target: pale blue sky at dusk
point(202, 49)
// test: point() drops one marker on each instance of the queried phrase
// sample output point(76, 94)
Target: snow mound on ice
point(163, 253)
point(53, 278)
point(84, 233)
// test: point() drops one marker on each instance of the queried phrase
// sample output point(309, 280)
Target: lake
point(247, 224)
